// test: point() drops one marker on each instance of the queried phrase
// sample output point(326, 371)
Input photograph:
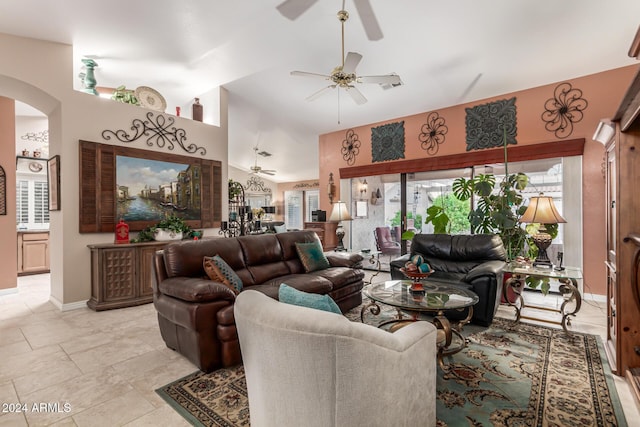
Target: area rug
point(508, 375)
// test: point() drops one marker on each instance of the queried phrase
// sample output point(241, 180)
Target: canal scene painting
point(151, 190)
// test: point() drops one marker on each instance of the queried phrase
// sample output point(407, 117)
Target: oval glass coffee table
point(437, 299)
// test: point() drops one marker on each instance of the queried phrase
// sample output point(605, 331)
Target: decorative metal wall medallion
point(387, 142)
point(254, 183)
point(350, 147)
point(487, 124)
point(36, 136)
point(159, 131)
point(433, 133)
point(563, 110)
point(314, 184)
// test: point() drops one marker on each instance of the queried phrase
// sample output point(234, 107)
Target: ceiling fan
point(344, 76)
point(292, 9)
point(255, 169)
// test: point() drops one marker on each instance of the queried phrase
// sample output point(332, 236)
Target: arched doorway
point(12, 90)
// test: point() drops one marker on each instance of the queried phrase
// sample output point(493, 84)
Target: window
point(312, 203)
point(293, 209)
point(32, 204)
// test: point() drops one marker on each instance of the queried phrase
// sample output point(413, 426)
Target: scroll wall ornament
point(489, 124)
point(387, 142)
point(315, 184)
point(433, 133)
point(563, 110)
point(350, 147)
point(36, 136)
point(254, 183)
point(158, 131)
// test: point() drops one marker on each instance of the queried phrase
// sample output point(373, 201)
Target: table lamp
point(339, 214)
point(541, 210)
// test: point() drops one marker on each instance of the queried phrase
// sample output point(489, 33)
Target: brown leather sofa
point(195, 314)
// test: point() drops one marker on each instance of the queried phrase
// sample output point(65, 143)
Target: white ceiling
point(446, 53)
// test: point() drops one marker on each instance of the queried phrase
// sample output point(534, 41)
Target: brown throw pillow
point(214, 273)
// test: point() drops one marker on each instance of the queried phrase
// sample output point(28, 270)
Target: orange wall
point(603, 91)
point(8, 247)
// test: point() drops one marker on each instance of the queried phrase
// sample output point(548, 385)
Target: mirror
point(257, 200)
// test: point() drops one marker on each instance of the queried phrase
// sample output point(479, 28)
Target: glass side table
point(568, 278)
point(436, 299)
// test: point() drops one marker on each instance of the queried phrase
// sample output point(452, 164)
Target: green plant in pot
point(124, 95)
point(171, 223)
point(496, 212)
point(235, 189)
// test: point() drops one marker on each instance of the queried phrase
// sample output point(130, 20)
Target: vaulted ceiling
point(446, 53)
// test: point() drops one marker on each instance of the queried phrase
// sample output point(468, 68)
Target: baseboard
point(67, 307)
point(8, 291)
point(595, 297)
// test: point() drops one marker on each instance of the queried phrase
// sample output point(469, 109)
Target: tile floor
point(106, 365)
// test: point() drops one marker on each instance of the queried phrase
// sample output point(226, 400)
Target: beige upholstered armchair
point(307, 367)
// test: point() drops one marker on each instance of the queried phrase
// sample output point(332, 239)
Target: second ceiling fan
point(344, 76)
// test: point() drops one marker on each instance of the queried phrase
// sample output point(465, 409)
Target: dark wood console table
point(121, 274)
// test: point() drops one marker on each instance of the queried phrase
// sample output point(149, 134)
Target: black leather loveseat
point(472, 261)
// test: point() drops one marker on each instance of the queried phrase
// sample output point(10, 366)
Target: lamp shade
point(340, 212)
point(541, 210)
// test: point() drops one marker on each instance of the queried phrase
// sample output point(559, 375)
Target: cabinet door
point(145, 287)
point(611, 189)
point(35, 256)
point(118, 270)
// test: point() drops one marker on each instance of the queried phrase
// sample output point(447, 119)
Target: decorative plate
point(150, 98)
point(35, 167)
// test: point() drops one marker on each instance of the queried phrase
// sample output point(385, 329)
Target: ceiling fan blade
point(306, 74)
point(351, 62)
point(319, 93)
point(268, 171)
point(292, 9)
point(392, 79)
point(357, 96)
point(368, 18)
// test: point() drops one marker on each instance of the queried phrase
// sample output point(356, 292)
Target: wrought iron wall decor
point(387, 142)
point(159, 131)
point(3, 192)
point(350, 147)
point(563, 110)
point(255, 183)
point(432, 133)
point(36, 136)
point(488, 124)
point(314, 184)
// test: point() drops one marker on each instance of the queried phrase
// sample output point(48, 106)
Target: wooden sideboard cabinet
point(33, 252)
point(326, 231)
point(121, 274)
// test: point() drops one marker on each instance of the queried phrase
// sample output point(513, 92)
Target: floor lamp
point(339, 214)
point(541, 210)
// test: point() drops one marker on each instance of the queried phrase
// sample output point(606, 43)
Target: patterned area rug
point(521, 375)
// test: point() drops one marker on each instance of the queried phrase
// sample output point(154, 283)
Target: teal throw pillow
point(280, 228)
point(290, 295)
point(228, 272)
point(312, 256)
